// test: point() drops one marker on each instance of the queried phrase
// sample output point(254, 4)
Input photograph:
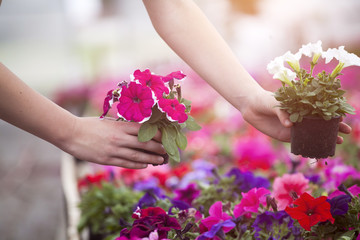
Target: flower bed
point(232, 183)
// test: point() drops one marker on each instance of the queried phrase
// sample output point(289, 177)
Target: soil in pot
point(314, 137)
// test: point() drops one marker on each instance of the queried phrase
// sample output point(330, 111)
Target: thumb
point(284, 118)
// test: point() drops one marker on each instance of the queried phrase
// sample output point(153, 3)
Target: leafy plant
point(155, 102)
point(104, 207)
point(303, 94)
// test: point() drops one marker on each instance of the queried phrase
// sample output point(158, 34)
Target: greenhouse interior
point(211, 89)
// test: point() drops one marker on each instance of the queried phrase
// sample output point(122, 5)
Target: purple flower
point(217, 229)
point(152, 193)
point(339, 204)
point(187, 194)
point(181, 205)
point(246, 180)
point(268, 220)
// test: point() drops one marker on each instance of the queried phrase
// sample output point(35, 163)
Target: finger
point(157, 137)
point(135, 155)
point(119, 162)
point(339, 140)
point(344, 128)
point(284, 118)
point(150, 146)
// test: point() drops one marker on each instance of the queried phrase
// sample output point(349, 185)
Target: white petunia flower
point(285, 75)
point(275, 65)
point(345, 59)
point(348, 59)
point(293, 60)
point(311, 48)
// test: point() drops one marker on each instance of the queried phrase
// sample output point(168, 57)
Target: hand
point(111, 142)
point(261, 111)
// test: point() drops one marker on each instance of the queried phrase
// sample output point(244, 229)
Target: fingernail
point(287, 122)
point(160, 159)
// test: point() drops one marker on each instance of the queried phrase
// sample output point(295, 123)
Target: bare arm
point(186, 30)
point(91, 139)
point(189, 33)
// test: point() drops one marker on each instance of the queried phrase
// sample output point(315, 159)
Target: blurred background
point(69, 50)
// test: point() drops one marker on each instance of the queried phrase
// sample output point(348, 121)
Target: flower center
point(136, 100)
point(309, 212)
point(148, 83)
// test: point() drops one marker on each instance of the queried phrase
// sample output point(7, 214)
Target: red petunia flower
point(135, 102)
point(154, 82)
point(174, 110)
point(310, 210)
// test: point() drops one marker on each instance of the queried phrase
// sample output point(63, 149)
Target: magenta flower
point(288, 185)
point(216, 216)
point(174, 110)
point(337, 172)
point(135, 102)
point(251, 201)
point(110, 98)
point(154, 82)
point(187, 194)
point(252, 153)
point(148, 221)
point(174, 75)
point(354, 190)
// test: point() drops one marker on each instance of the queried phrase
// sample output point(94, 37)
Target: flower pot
point(314, 137)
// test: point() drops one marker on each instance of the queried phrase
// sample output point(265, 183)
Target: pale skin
point(189, 33)
point(106, 142)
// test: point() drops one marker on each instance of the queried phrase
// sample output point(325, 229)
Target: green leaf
point(333, 108)
point(348, 235)
point(168, 140)
point(147, 131)
point(192, 125)
point(294, 117)
point(155, 116)
point(181, 140)
point(175, 157)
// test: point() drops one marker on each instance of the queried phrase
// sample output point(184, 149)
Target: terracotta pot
point(314, 137)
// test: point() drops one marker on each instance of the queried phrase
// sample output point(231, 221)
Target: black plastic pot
point(314, 137)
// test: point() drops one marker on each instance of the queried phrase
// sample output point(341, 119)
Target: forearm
point(23, 107)
point(189, 33)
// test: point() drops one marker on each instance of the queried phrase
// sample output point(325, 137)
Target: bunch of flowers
point(305, 94)
point(156, 102)
point(233, 205)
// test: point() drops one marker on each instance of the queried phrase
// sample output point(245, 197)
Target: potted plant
point(315, 102)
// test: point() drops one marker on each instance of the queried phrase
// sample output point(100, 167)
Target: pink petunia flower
point(288, 185)
point(174, 75)
point(154, 236)
point(154, 82)
point(111, 97)
point(337, 172)
point(354, 189)
point(251, 201)
point(135, 102)
point(174, 110)
point(253, 153)
point(216, 216)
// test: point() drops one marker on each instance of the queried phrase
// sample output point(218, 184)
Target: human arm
point(183, 26)
point(91, 139)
